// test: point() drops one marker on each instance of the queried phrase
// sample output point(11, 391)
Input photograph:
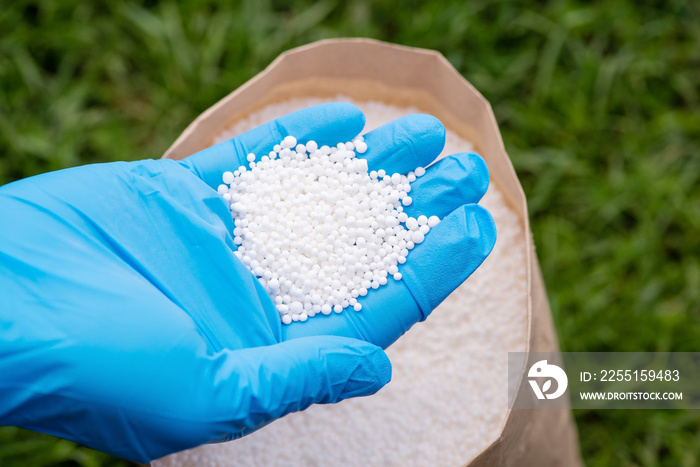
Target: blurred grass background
point(598, 102)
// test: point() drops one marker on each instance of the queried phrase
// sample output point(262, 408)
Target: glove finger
point(450, 253)
point(404, 144)
point(325, 124)
point(449, 183)
point(257, 385)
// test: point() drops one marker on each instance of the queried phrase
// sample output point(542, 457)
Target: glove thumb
point(231, 393)
point(258, 385)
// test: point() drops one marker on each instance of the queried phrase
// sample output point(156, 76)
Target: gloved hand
point(127, 323)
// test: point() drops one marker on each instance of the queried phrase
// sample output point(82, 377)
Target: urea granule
point(446, 400)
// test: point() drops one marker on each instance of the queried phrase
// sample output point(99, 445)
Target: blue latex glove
point(127, 323)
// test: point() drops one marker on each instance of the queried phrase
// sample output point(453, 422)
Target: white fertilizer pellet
point(447, 398)
point(317, 228)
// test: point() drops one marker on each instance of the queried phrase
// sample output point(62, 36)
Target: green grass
point(599, 105)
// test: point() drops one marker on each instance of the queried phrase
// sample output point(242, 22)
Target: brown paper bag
point(370, 70)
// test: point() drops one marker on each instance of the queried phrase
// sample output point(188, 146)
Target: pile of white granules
point(447, 399)
point(313, 261)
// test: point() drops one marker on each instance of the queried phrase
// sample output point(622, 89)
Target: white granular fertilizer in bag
point(447, 398)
